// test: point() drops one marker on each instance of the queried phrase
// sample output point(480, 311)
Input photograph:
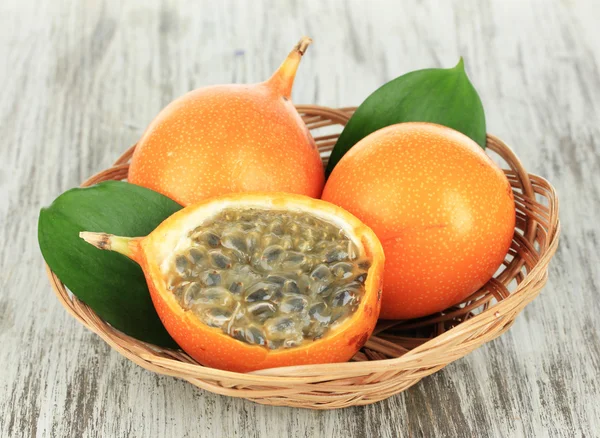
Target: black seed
point(343, 297)
point(321, 289)
point(293, 304)
point(259, 295)
point(254, 335)
point(197, 256)
point(277, 279)
point(262, 310)
point(244, 274)
point(216, 317)
point(320, 313)
point(219, 260)
point(304, 282)
point(260, 291)
point(182, 264)
point(342, 270)
point(211, 278)
point(236, 242)
point(354, 286)
point(215, 296)
point(361, 278)
point(277, 295)
point(337, 314)
point(293, 260)
point(274, 344)
point(336, 255)
point(272, 253)
point(315, 330)
point(320, 273)
point(271, 257)
point(291, 287)
point(280, 326)
point(236, 287)
point(191, 293)
point(238, 257)
point(364, 265)
point(239, 334)
point(179, 290)
point(211, 239)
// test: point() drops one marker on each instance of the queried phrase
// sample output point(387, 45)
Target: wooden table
point(81, 80)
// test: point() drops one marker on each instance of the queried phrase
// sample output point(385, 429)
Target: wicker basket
point(400, 353)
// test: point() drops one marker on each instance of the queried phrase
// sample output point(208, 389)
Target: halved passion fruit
point(251, 281)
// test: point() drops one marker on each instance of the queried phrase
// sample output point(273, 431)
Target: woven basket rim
point(500, 315)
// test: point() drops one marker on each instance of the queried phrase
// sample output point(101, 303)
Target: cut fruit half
point(252, 281)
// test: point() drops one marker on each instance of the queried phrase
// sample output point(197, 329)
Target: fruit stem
point(283, 79)
point(128, 246)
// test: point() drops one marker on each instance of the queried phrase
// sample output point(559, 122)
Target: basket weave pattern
point(399, 353)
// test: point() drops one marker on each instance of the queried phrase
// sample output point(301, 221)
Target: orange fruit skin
point(213, 348)
point(443, 211)
point(226, 139)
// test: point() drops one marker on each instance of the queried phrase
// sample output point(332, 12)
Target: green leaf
point(111, 284)
point(442, 96)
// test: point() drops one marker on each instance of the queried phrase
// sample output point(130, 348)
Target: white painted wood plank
point(81, 80)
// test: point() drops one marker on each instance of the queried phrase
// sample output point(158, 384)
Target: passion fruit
point(229, 139)
point(252, 281)
point(443, 211)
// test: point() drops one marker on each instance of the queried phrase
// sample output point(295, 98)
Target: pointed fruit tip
point(283, 78)
point(303, 44)
point(99, 240)
point(128, 246)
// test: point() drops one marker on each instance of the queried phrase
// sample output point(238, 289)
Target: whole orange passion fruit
point(229, 139)
point(443, 211)
point(251, 281)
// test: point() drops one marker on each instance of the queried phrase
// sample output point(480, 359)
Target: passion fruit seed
point(272, 278)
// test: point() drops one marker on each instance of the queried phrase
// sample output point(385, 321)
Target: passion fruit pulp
point(274, 278)
point(253, 281)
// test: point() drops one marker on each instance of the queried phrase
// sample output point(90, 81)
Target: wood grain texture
point(81, 80)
